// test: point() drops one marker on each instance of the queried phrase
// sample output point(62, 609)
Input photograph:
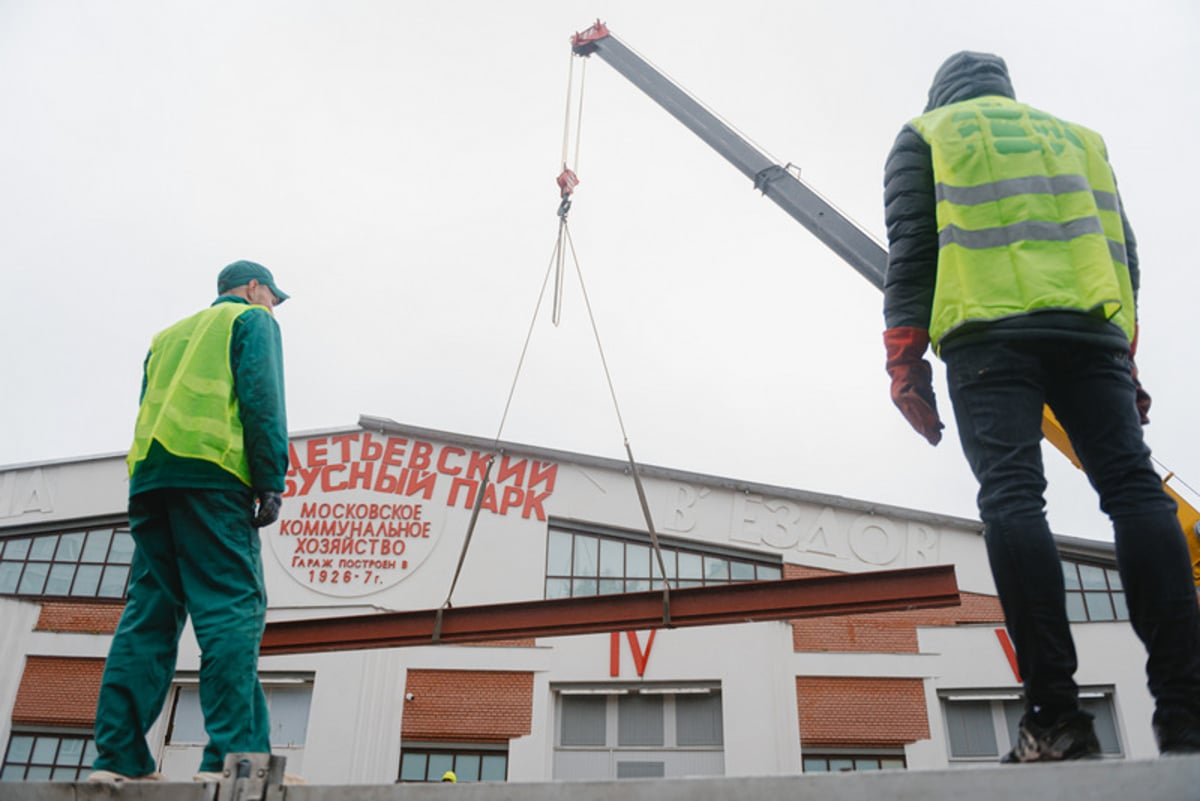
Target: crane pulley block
point(584, 43)
point(567, 181)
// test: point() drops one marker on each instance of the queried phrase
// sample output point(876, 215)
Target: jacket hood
point(966, 75)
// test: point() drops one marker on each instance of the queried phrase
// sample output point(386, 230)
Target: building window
point(1094, 592)
point(92, 563)
point(287, 707)
point(980, 727)
point(288, 700)
point(582, 560)
point(470, 763)
point(615, 731)
point(839, 761)
point(698, 719)
point(46, 756)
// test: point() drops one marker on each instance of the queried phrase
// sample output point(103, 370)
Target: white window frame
point(24, 556)
point(707, 564)
point(676, 760)
point(57, 771)
point(181, 759)
point(854, 755)
point(455, 751)
point(999, 700)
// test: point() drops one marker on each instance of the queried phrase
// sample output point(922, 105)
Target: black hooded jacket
point(911, 217)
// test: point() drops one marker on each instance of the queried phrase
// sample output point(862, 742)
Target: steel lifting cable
point(567, 113)
point(496, 449)
point(633, 468)
point(567, 181)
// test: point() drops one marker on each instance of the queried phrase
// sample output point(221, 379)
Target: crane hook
point(567, 181)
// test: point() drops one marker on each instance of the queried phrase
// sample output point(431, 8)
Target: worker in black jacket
point(1010, 253)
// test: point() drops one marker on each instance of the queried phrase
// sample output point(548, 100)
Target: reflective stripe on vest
point(189, 406)
point(1028, 217)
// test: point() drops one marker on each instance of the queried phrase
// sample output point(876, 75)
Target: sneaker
point(109, 777)
point(1069, 737)
point(1176, 733)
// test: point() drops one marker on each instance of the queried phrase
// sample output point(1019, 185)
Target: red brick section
point(843, 712)
point(883, 632)
point(79, 617)
point(58, 691)
point(478, 705)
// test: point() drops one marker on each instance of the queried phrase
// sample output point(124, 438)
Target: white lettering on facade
point(22, 492)
point(363, 511)
point(922, 544)
point(683, 508)
point(873, 540)
point(825, 537)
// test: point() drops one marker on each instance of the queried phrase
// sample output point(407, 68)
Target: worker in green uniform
point(206, 471)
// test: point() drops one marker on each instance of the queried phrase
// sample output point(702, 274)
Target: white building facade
point(375, 520)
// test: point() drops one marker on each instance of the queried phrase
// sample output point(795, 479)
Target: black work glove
point(269, 502)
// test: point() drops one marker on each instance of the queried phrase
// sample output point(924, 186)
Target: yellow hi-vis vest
point(189, 405)
point(1028, 217)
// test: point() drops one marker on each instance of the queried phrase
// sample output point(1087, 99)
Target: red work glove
point(1143, 397)
point(912, 380)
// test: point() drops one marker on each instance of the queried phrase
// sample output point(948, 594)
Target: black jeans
point(998, 390)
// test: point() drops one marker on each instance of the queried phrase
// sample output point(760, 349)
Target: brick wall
point(58, 691)
point(79, 617)
point(468, 705)
point(883, 632)
point(847, 712)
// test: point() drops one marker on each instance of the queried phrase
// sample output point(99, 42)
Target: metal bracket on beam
point(768, 174)
point(247, 777)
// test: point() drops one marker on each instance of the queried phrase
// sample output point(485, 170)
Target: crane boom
point(795, 197)
point(823, 220)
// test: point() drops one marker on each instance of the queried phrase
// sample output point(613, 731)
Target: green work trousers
point(196, 554)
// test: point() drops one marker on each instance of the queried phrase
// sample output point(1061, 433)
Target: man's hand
point(912, 380)
point(268, 508)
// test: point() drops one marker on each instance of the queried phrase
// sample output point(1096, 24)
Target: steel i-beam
point(784, 599)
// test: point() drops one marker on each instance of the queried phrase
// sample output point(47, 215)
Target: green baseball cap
point(243, 272)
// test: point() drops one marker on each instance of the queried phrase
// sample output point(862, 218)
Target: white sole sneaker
point(215, 776)
point(109, 777)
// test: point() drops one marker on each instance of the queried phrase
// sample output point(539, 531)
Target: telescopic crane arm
point(825, 222)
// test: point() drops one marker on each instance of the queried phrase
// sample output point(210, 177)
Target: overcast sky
point(393, 163)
